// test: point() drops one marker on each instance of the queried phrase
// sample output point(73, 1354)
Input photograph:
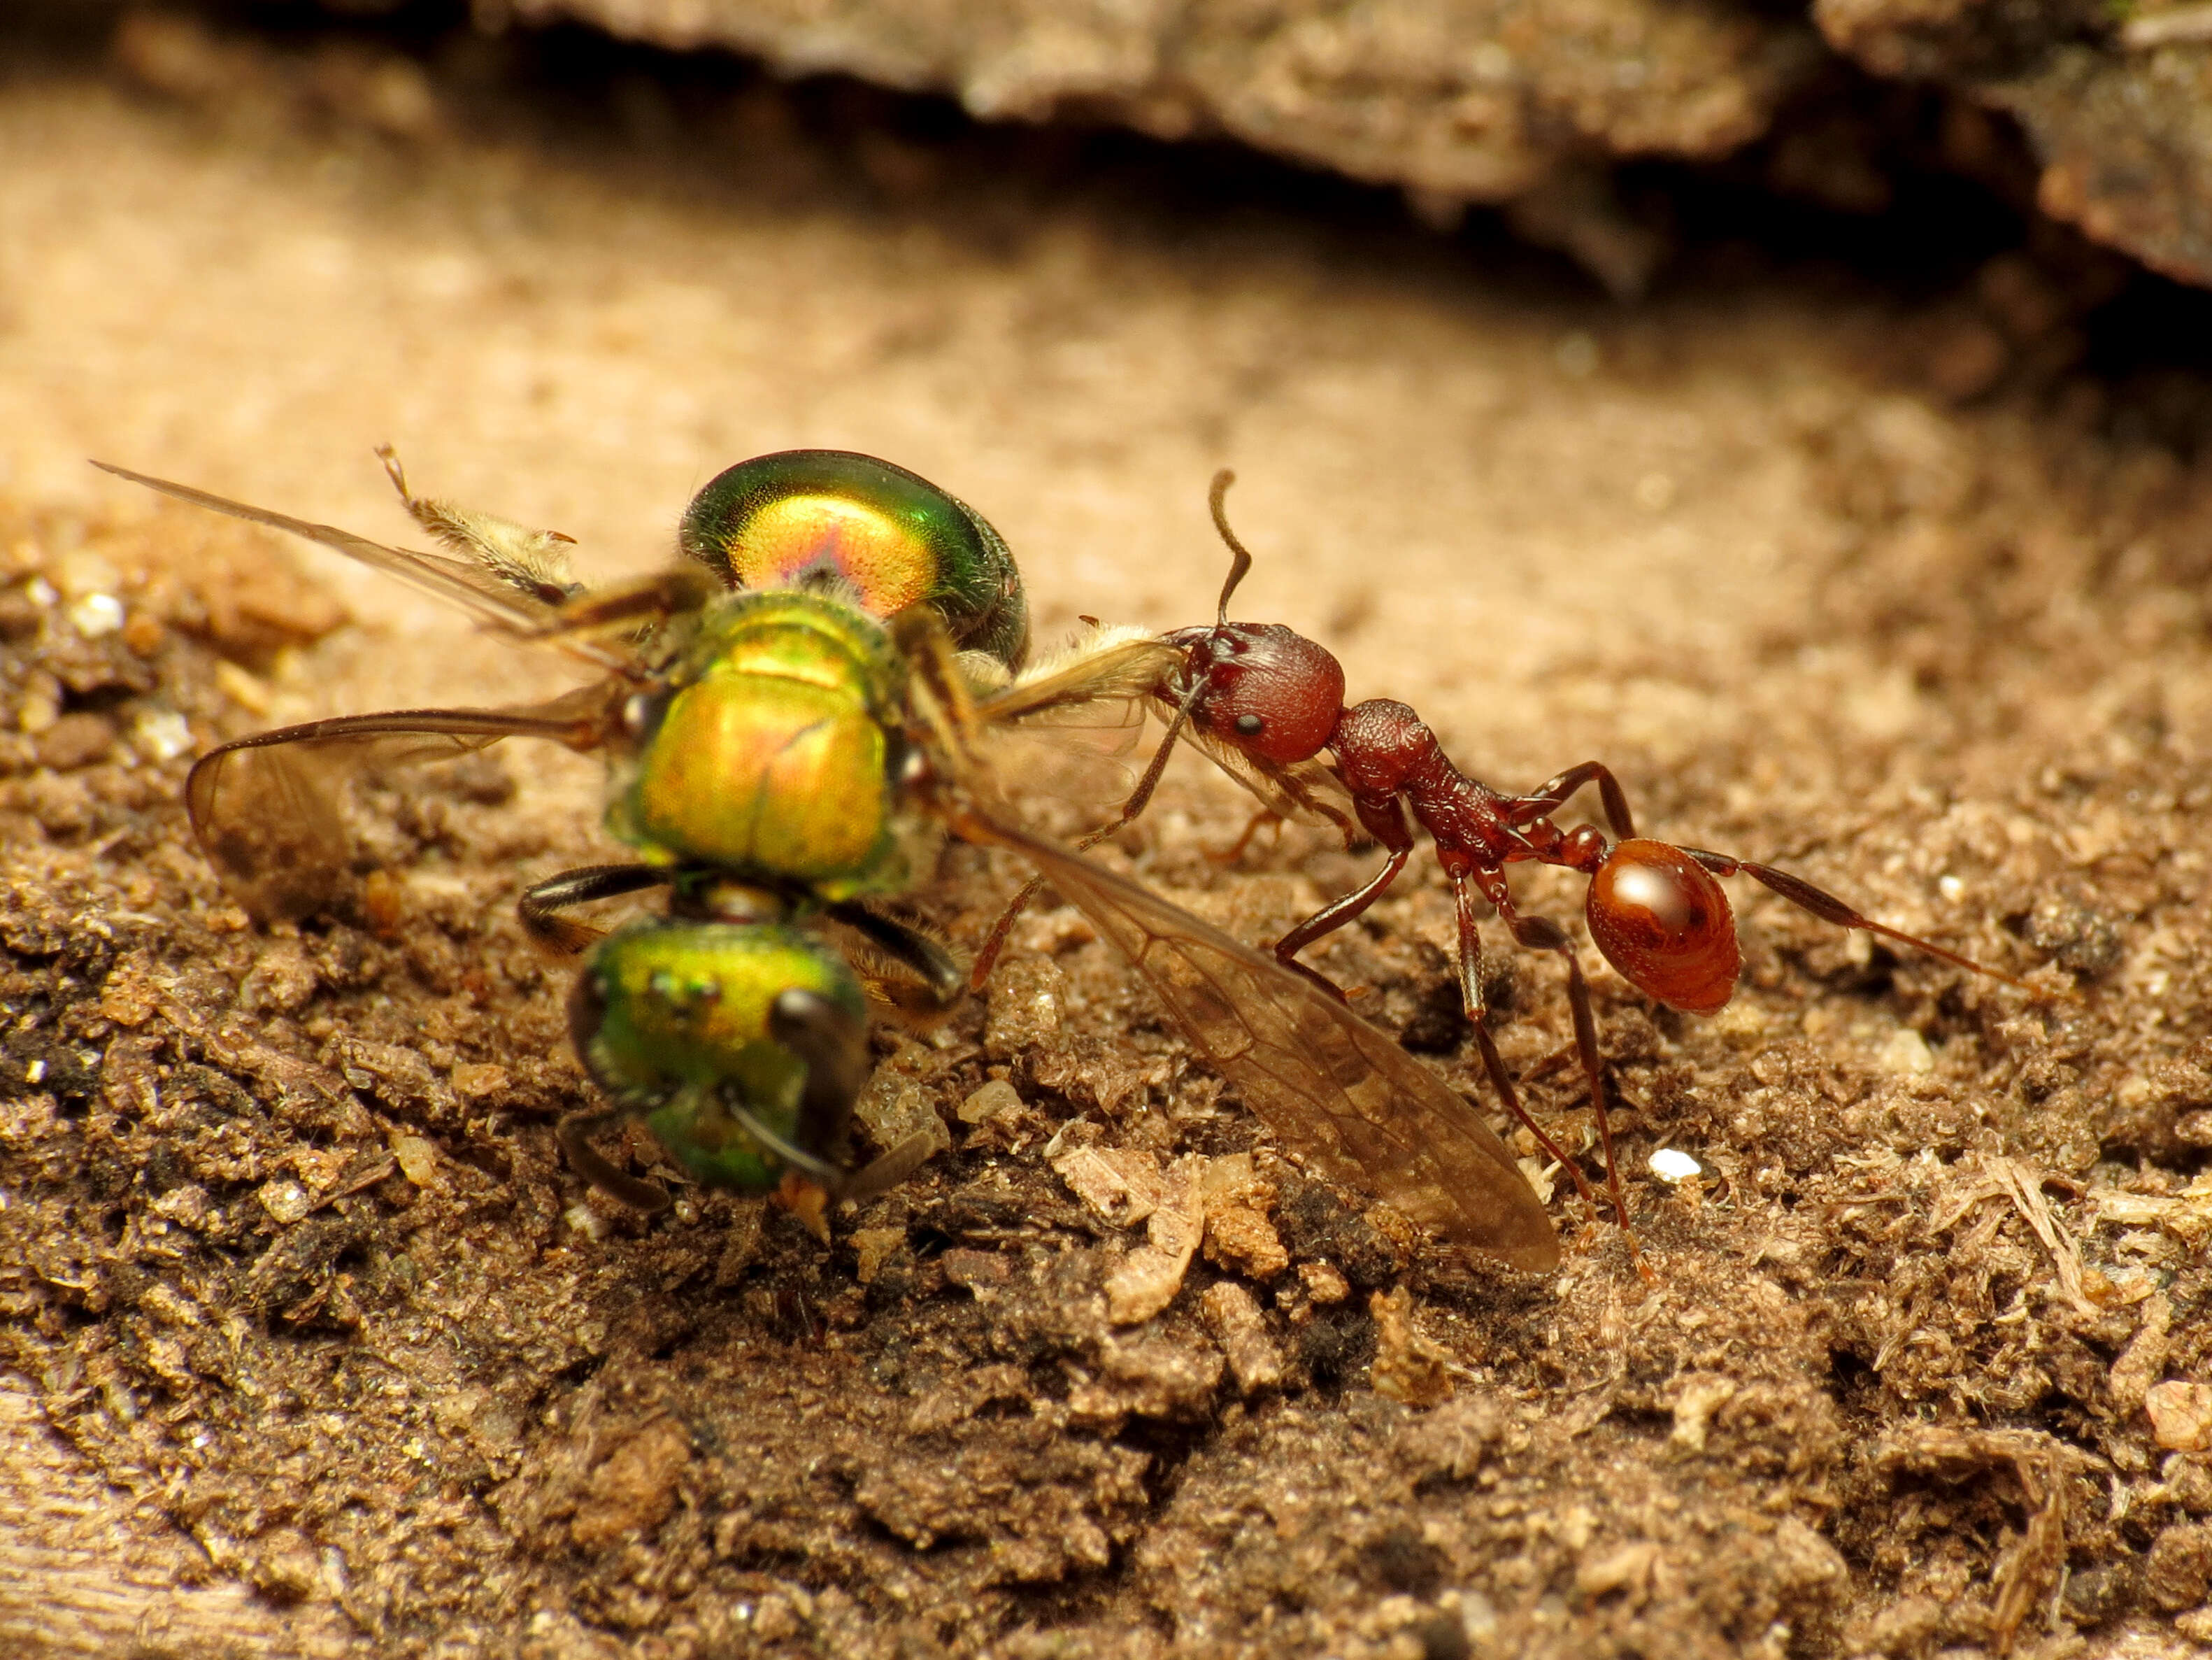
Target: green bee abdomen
point(890, 538)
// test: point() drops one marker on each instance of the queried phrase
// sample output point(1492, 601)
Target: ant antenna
point(1243, 562)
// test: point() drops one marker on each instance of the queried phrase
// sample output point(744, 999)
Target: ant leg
point(1548, 798)
point(563, 936)
point(574, 1134)
point(1333, 916)
point(994, 942)
point(1234, 850)
point(1470, 993)
point(1829, 908)
point(1541, 934)
point(987, 956)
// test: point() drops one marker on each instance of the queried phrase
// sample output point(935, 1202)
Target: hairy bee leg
point(574, 1134)
point(943, 981)
point(645, 603)
point(564, 936)
point(834, 1046)
point(945, 709)
point(824, 1174)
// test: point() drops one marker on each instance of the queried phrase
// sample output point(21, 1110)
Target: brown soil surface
point(314, 1345)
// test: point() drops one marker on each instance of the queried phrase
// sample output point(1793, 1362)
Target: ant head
point(1258, 688)
point(1261, 689)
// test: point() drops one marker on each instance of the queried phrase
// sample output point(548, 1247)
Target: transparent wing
point(1108, 678)
point(1305, 793)
point(1328, 1085)
point(1086, 759)
point(1066, 727)
point(481, 592)
point(1106, 665)
point(266, 809)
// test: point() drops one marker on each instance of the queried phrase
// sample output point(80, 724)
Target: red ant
point(1265, 701)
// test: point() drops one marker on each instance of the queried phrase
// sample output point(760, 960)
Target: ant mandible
point(1265, 701)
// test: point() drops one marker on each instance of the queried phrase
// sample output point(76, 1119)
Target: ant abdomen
point(1664, 922)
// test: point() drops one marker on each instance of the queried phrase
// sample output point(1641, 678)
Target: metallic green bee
point(792, 717)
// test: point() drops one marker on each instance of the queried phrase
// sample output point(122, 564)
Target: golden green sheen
point(775, 756)
point(683, 1024)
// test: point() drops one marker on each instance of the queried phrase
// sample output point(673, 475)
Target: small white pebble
point(1950, 887)
point(161, 734)
point(285, 1200)
point(1673, 1164)
point(96, 614)
point(39, 591)
point(586, 1221)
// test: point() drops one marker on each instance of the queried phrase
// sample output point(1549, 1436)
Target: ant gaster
point(1265, 701)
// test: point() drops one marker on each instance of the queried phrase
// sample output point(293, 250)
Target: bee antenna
point(1243, 562)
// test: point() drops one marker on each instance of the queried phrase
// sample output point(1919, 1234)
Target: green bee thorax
point(772, 749)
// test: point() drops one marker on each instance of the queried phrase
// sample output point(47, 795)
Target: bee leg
point(894, 1167)
point(574, 1134)
point(834, 1044)
point(812, 1166)
point(561, 936)
point(645, 603)
point(834, 1048)
point(942, 980)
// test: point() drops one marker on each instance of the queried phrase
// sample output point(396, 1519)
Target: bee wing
point(1109, 665)
point(1328, 1085)
point(485, 595)
point(1066, 727)
point(265, 809)
point(1306, 793)
point(1126, 671)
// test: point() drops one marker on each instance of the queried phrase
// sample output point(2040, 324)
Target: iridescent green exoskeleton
point(740, 1045)
point(887, 538)
point(791, 718)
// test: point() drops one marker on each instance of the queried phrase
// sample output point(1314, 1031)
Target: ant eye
point(1250, 725)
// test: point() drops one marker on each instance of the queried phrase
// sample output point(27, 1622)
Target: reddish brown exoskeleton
point(1265, 702)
